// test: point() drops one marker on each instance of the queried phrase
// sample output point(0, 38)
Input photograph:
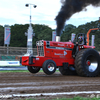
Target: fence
point(15, 51)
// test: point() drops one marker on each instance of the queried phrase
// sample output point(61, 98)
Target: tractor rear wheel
point(87, 63)
point(33, 69)
point(49, 67)
point(68, 71)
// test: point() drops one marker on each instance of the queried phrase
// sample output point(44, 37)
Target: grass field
point(75, 98)
point(7, 71)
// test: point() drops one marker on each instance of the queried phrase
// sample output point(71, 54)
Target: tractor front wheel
point(49, 67)
point(87, 63)
point(33, 69)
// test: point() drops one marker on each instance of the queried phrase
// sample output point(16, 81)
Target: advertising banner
point(73, 37)
point(93, 39)
point(54, 36)
point(10, 63)
point(7, 35)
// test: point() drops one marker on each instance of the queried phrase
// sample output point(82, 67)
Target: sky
point(14, 12)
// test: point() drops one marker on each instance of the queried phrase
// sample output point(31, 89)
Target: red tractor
point(70, 57)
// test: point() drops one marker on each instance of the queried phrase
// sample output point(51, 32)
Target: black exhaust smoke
point(70, 7)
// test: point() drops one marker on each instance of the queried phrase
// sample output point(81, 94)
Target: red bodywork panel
point(59, 52)
point(38, 62)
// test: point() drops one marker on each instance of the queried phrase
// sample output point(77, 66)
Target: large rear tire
point(33, 69)
point(49, 67)
point(87, 63)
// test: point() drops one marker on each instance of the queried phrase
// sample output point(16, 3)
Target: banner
point(93, 39)
point(7, 33)
point(54, 36)
point(73, 37)
point(10, 63)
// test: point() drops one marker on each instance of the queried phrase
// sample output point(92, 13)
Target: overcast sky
point(14, 12)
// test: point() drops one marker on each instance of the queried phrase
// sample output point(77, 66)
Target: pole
point(7, 49)
point(30, 34)
point(30, 14)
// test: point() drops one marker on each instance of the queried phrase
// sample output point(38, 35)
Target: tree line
point(44, 32)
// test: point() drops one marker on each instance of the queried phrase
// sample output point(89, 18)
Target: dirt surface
point(26, 83)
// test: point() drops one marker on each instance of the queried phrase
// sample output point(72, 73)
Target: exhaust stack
point(57, 38)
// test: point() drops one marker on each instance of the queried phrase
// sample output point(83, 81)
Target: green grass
point(8, 71)
point(75, 98)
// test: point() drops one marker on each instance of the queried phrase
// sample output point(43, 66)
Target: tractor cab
point(80, 39)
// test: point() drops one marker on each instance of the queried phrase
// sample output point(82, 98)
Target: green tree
point(18, 38)
point(42, 32)
point(68, 30)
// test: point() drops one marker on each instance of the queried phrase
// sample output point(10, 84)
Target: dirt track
point(27, 83)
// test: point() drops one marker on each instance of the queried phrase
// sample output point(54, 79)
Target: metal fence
point(15, 51)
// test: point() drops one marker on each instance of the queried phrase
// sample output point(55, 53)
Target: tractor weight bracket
point(32, 59)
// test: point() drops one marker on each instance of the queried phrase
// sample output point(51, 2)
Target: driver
point(80, 39)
